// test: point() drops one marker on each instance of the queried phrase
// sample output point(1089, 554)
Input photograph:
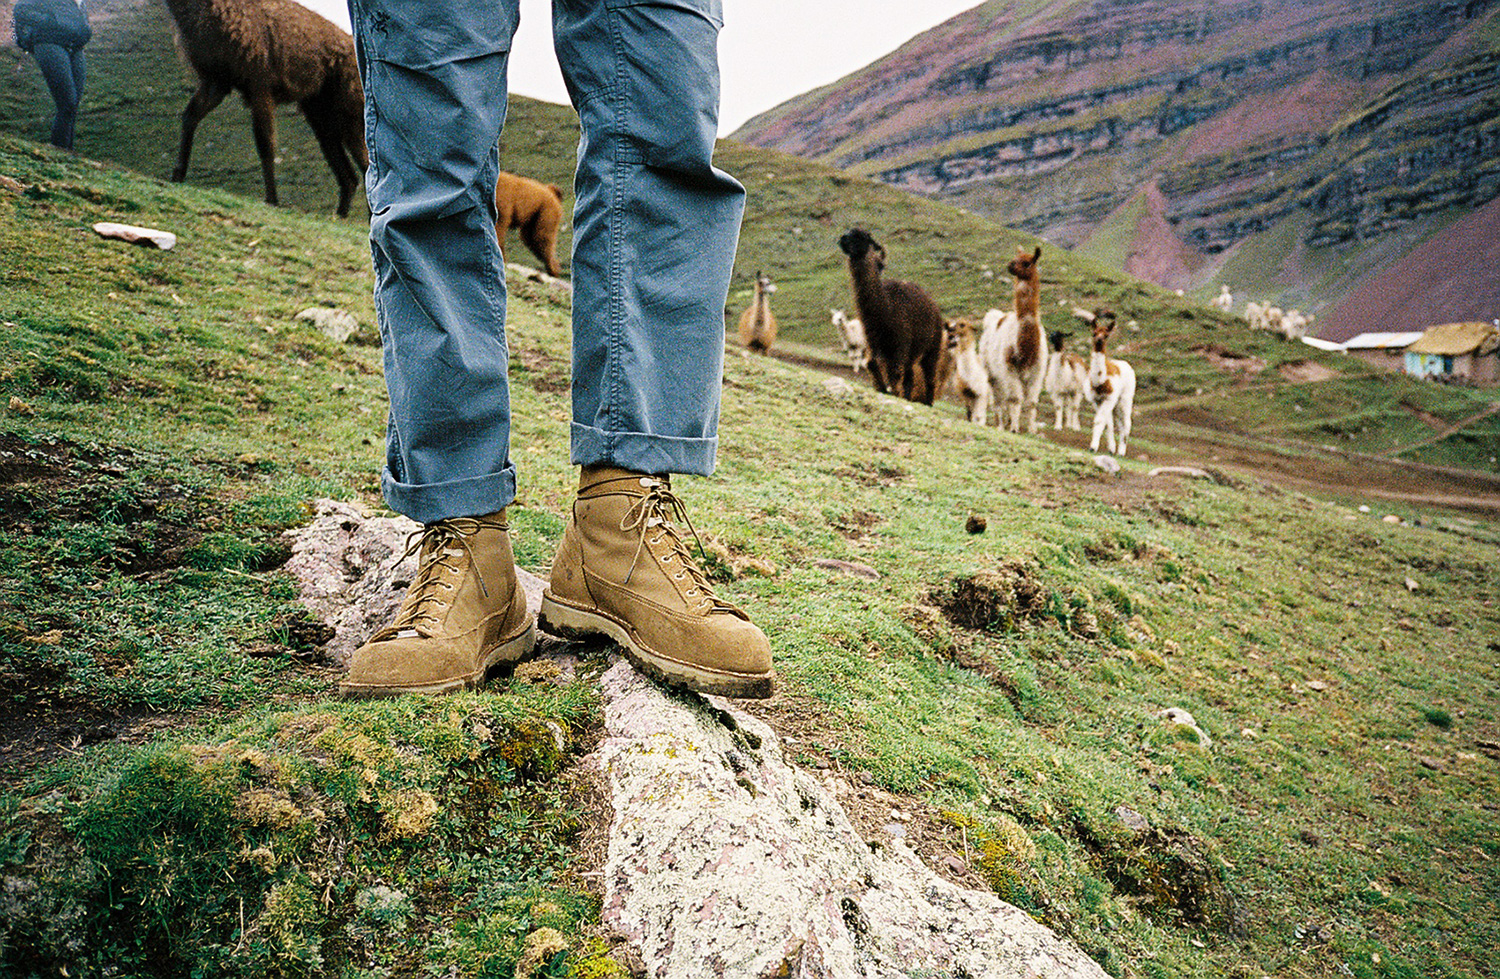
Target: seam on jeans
point(616, 297)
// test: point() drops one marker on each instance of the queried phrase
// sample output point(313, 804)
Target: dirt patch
point(1230, 360)
point(1435, 422)
point(1305, 372)
point(994, 599)
point(49, 483)
point(877, 476)
point(547, 374)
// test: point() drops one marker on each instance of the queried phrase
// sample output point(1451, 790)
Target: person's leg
point(57, 69)
point(435, 90)
point(654, 235)
point(80, 73)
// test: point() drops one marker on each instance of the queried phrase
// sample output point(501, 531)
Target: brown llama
point(757, 323)
point(534, 209)
point(903, 325)
point(274, 52)
point(1013, 347)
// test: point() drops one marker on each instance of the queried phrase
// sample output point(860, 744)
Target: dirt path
point(1446, 431)
point(1303, 466)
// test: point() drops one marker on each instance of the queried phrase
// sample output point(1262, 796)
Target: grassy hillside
point(182, 795)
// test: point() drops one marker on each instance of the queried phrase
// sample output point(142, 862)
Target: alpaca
point(1255, 315)
point(970, 379)
point(852, 335)
point(534, 209)
point(903, 325)
point(1224, 301)
point(757, 324)
point(1113, 385)
point(1067, 381)
point(1014, 346)
point(273, 52)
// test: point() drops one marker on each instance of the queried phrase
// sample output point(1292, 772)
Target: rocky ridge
point(1354, 119)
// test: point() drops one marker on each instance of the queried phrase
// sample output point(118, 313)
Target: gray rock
point(350, 572)
point(1107, 463)
point(759, 872)
point(337, 325)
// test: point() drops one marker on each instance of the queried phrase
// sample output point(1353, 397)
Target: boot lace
point(439, 545)
point(653, 513)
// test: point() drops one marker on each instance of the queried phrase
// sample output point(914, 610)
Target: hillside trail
point(1302, 466)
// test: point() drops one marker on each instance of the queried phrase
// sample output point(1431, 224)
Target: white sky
point(769, 51)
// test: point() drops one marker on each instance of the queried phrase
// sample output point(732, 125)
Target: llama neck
point(762, 303)
point(869, 293)
point(1026, 297)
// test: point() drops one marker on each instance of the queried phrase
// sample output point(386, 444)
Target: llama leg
point(1123, 410)
point(325, 127)
point(1101, 418)
point(263, 123)
point(210, 93)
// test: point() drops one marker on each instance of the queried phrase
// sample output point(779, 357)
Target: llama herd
point(911, 351)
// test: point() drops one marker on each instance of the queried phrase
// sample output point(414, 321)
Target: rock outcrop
point(724, 859)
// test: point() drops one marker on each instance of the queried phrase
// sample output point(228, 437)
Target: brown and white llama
point(903, 325)
point(1113, 385)
point(1067, 382)
point(757, 324)
point(274, 52)
point(1014, 347)
point(852, 336)
point(970, 380)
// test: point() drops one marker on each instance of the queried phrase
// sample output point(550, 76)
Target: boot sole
point(572, 622)
point(513, 650)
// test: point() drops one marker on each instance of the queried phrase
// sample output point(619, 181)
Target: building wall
point(1386, 360)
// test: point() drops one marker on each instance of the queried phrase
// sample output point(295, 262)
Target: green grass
point(159, 445)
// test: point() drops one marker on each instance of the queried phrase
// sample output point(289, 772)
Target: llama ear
point(1037, 257)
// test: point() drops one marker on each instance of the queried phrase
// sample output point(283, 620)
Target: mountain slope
point(1349, 122)
point(180, 793)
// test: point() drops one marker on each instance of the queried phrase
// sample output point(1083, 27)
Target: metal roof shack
point(1383, 350)
point(1467, 353)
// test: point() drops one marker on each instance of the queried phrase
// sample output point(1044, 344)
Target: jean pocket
point(427, 34)
point(711, 9)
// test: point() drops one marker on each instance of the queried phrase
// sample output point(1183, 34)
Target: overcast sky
point(770, 50)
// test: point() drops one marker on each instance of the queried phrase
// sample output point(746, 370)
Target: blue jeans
point(655, 230)
point(63, 68)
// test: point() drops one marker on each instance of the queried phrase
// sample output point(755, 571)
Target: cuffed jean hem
point(638, 452)
point(431, 502)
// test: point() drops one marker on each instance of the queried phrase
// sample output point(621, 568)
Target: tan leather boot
point(463, 613)
point(622, 571)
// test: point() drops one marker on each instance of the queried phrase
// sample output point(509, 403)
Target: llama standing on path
point(757, 325)
point(903, 324)
point(1014, 346)
point(1113, 384)
point(274, 52)
point(852, 336)
point(1067, 382)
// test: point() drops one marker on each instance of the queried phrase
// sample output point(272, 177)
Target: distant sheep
point(852, 336)
point(903, 325)
point(1224, 301)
